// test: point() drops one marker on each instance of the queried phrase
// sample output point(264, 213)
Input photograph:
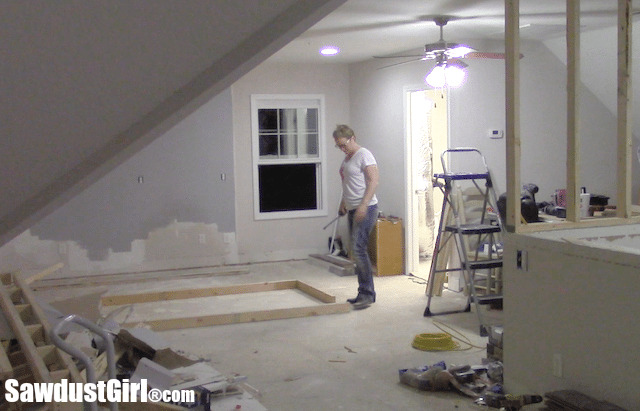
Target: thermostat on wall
point(495, 133)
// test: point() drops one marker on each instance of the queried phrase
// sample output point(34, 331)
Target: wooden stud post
point(573, 118)
point(624, 109)
point(512, 61)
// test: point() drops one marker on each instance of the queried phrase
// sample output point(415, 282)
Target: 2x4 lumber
point(587, 223)
point(243, 317)
point(123, 299)
point(41, 318)
point(122, 278)
point(512, 62)
point(36, 364)
point(573, 118)
point(36, 332)
point(315, 293)
point(6, 369)
point(624, 109)
point(330, 307)
point(47, 271)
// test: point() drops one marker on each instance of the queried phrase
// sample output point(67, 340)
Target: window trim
point(280, 101)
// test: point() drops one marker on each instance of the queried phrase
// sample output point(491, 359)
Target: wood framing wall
point(624, 129)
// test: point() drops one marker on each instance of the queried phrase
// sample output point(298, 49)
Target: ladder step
point(462, 176)
point(493, 299)
point(466, 229)
point(482, 264)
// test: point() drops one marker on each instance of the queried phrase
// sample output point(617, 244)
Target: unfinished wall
point(171, 205)
point(475, 108)
point(571, 313)
point(598, 72)
point(268, 240)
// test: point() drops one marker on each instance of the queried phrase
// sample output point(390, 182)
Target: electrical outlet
point(557, 365)
point(228, 237)
point(202, 238)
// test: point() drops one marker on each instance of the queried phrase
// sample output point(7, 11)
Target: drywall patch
point(178, 245)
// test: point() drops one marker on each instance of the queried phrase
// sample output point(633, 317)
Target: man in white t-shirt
point(359, 173)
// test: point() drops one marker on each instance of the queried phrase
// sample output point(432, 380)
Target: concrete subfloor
point(347, 361)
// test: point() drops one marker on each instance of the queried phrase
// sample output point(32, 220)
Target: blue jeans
point(360, 233)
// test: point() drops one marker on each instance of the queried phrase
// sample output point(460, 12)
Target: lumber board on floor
point(126, 278)
point(329, 305)
point(243, 317)
point(42, 274)
point(123, 299)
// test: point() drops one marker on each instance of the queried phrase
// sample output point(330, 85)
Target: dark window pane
point(287, 187)
point(268, 145)
point(267, 120)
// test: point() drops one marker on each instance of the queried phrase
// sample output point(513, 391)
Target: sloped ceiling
point(85, 84)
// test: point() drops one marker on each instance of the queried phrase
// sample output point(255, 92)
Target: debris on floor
point(483, 383)
point(30, 353)
point(574, 400)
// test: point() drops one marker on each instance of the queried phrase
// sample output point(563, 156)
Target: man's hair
point(343, 130)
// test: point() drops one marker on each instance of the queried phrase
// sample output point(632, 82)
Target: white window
point(288, 156)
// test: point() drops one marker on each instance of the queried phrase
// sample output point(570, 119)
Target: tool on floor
point(335, 260)
point(480, 261)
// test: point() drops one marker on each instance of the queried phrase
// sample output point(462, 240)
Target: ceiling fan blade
point(399, 63)
point(487, 55)
point(395, 56)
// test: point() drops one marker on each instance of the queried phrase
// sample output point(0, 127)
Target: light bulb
point(454, 76)
point(436, 78)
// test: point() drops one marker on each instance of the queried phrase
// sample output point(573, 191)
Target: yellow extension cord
point(441, 341)
point(435, 342)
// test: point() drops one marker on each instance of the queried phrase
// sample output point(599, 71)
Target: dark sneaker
point(353, 300)
point(363, 302)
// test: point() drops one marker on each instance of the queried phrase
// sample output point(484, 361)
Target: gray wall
point(268, 240)
point(121, 221)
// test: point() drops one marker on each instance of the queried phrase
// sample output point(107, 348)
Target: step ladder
point(30, 356)
point(480, 261)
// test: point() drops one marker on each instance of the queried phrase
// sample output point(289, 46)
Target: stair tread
point(480, 264)
point(489, 298)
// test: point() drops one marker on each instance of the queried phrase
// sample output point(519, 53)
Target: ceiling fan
point(442, 50)
point(449, 70)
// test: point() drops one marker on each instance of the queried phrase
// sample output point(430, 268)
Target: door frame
point(411, 246)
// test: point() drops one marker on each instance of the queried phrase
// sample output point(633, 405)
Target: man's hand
point(343, 209)
point(361, 213)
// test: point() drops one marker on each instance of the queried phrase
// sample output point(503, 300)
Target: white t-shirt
point(354, 182)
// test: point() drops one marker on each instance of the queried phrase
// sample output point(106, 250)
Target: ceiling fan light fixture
point(445, 74)
point(459, 51)
point(436, 77)
point(454, 75)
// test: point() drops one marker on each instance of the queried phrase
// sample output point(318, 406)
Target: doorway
point(426, 125)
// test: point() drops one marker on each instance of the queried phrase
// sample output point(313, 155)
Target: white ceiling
point(366, 28)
